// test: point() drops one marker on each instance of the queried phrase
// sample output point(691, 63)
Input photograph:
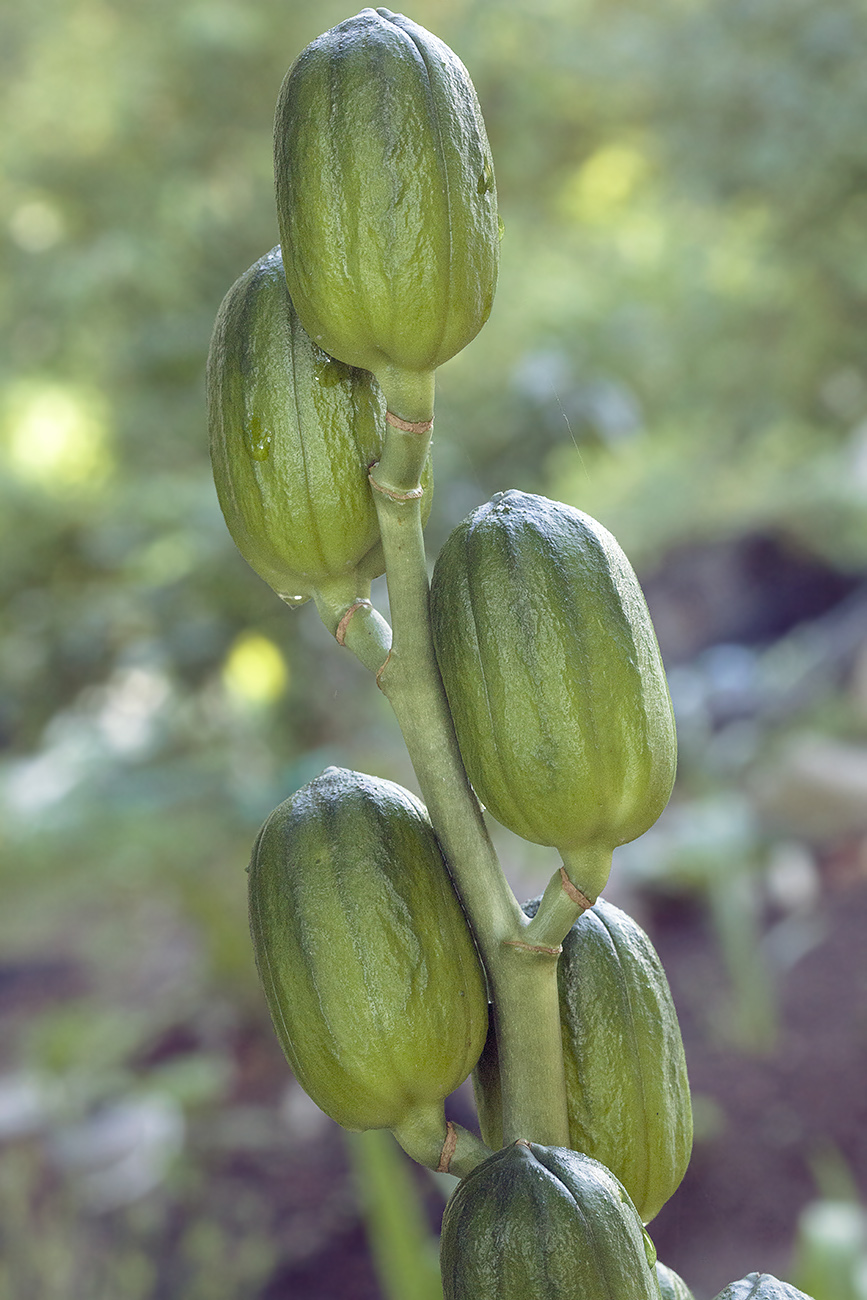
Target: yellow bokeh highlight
point(603, 185)
point(56, 436)
point(255, 671)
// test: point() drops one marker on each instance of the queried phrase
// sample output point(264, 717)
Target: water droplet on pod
point(257, 438)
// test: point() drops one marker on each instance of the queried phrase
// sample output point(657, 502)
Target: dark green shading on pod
point(761, 1286)
point(546, 1223)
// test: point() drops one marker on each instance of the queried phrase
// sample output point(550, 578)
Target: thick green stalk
point(529, 1044)
point(522, 978)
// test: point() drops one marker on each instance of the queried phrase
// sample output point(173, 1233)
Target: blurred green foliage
point(677, 346)
point(404, 1250)
point(830, 1256)
point(221, 1251)
point(683, 297)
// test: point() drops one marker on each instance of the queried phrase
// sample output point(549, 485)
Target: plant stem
point(523, 979)
point(355, 623)
point(586, 870)
point(409, 393)
point(530, 1046)
point(425, 1136)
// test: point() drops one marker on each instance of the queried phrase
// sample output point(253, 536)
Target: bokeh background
point(678, 347)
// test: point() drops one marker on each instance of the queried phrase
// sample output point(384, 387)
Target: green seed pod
point(761, 1286)
point(371, 975)
point(544, 1222)
point(626, 1081)
point(385, 197)
point(293, 436)
point(627, 1090)
point(554, 678)
point(671, 1285)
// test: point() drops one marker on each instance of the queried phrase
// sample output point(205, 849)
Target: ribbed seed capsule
point(553, 677)
point(546, 1223)
point(626, 1082)
point(627, 1090)
point(370, 972)
point(293, 435)
point(385, 198)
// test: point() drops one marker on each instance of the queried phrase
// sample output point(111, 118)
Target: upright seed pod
point(626, 1082)
point(546, 1223)
point(554, 679)
point(369, 969)
point(293, 435)
point(627, 1090)
point(386, 200)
